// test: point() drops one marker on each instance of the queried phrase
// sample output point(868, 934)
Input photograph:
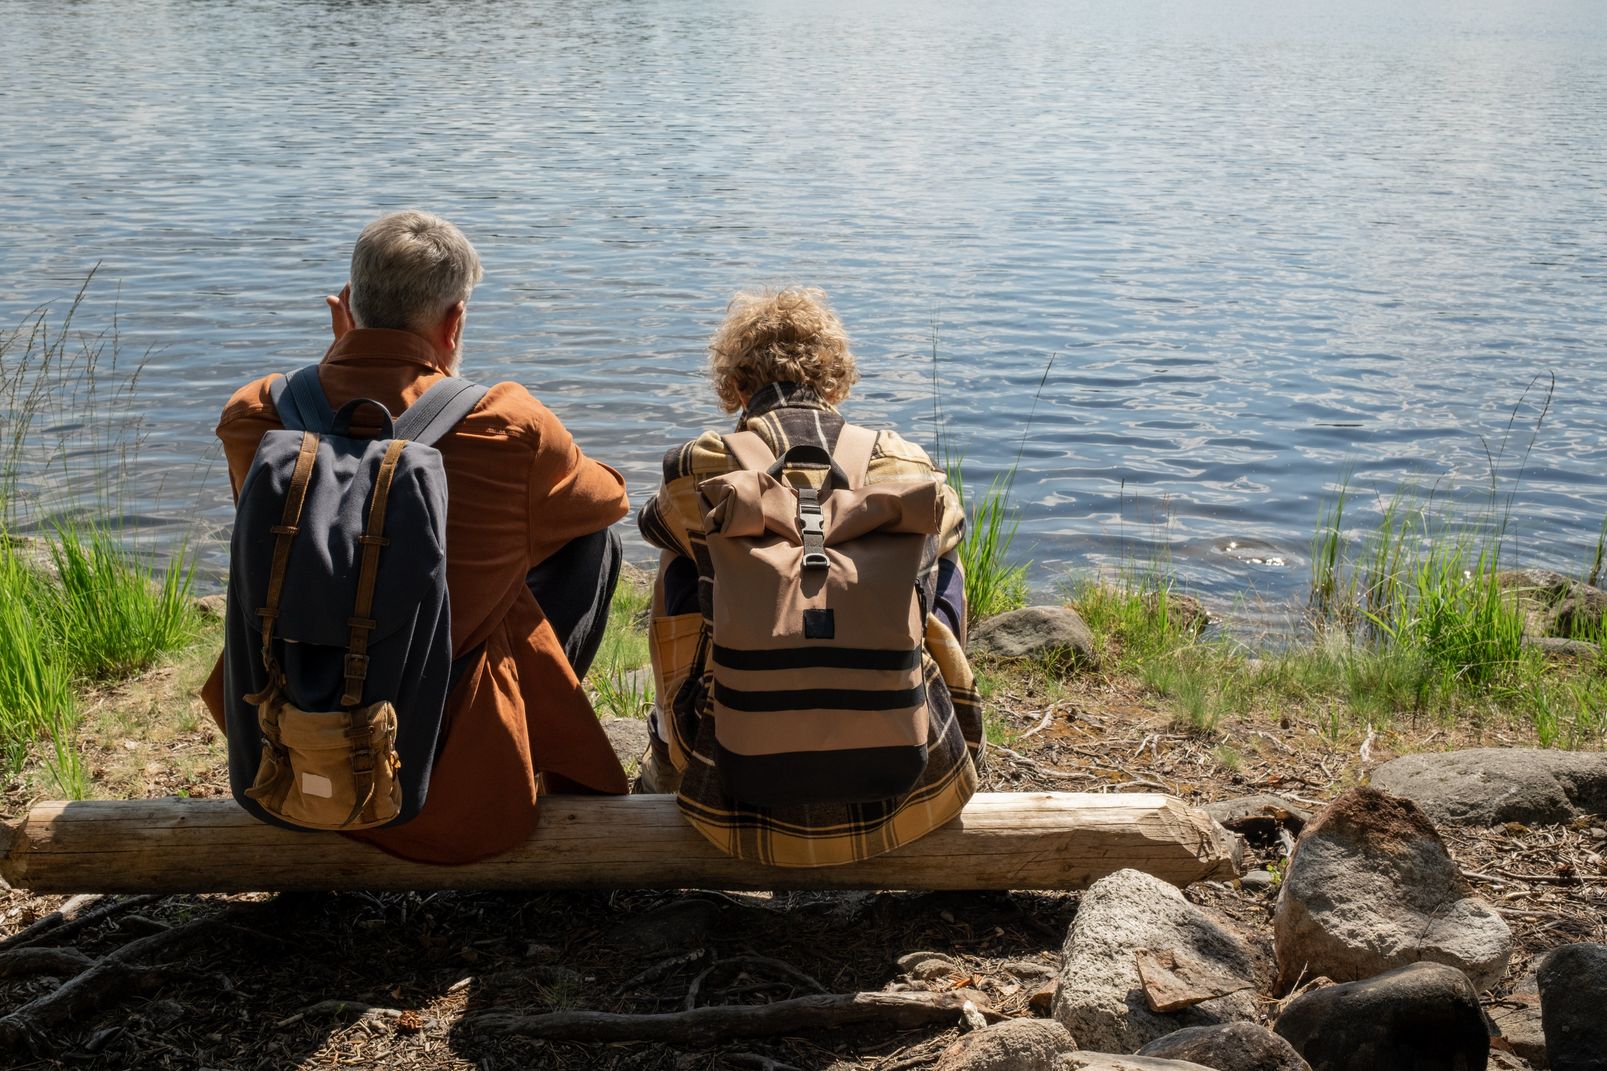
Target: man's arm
point(570, 495)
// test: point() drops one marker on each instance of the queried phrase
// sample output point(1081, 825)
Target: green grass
point(616, 689)
point(78, 608)
point(113, 615)
point(36, 693)
point(993, 585)
point(1409, 621)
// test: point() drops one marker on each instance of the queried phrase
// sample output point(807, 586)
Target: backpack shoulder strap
point(301, 402)
point(428, 420)
point(748, 450)
point(854, 448)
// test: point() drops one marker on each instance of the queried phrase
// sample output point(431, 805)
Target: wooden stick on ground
point(721, 1021)
point(1006, 840)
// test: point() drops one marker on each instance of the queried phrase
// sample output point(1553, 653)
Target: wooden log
point(1007, 840)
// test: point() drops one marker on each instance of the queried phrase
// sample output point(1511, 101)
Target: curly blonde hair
point(788, 335)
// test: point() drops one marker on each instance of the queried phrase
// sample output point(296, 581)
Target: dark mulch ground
point(252, 994)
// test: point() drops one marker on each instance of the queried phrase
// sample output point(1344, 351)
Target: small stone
point(1260, 816)
point(211, 606)
point(1013, 1045)
point(1257, 881)
point(1185, 612)
point(1573, 997)
point(1101, 998)
point(1054, 633)
point(1371, 887)
point(1561, 648)
point(925, 966)
point(1229, 1047)
point(1422, 1017)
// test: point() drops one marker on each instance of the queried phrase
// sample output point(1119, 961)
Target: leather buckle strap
point(372, 540)
point(812, 526)
point(284, 532)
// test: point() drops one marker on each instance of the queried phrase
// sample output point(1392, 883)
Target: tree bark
point(1029, 840)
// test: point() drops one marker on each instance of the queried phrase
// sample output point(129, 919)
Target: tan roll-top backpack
point(819, 689)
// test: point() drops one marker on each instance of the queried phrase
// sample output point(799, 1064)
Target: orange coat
point(518, 489)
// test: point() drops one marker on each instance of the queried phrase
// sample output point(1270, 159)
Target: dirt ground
point(358, 980)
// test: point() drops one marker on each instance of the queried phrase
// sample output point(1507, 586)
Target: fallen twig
point(718, 1022)
point(1043, 723)
point(340, 1009)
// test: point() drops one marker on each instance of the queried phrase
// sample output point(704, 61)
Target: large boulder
point(1424, 1017)
point(1101, 998)
point(1013, 1045)
point(1370, 888)
point(1229, 1047)
point(1052, 633)
point(1493, 785)
point(1573, 1007)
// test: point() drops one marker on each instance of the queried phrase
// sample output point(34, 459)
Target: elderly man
point(531, 563)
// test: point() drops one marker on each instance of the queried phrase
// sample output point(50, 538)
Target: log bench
point(1003, 840)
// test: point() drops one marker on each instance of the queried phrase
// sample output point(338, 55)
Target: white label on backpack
point(317, 785)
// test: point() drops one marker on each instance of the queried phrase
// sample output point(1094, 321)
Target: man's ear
point(450, 328)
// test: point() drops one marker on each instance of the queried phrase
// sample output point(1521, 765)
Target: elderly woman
point(782, 360)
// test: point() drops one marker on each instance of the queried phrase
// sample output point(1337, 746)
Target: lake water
point(1263, 243)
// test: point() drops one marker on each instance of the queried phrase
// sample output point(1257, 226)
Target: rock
point(212, 606)
point(1013, 1045)
point(1230, 1047)
point(677, 926)
point(925, 966)
point(1184, 611)
point(1259, 817)
point(629, 737)
point(1491, 786)
point(1517, 1017)
point(1422, 1017)
point(1257, 881)
point(1105, 1061)
point(1554, 604)
point(1558, 647)
point(1370, 888)
point(1506, 1061)
point(1101, 999)
point(1573, 1005)
point(1174, 980)
point(1056, 633)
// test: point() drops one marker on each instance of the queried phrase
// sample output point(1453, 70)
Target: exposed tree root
point(76, 914)
point(718, 1022)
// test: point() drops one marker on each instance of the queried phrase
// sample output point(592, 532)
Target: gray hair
point(408, 268)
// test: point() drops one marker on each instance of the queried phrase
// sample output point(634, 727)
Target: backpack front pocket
point(328, 769)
